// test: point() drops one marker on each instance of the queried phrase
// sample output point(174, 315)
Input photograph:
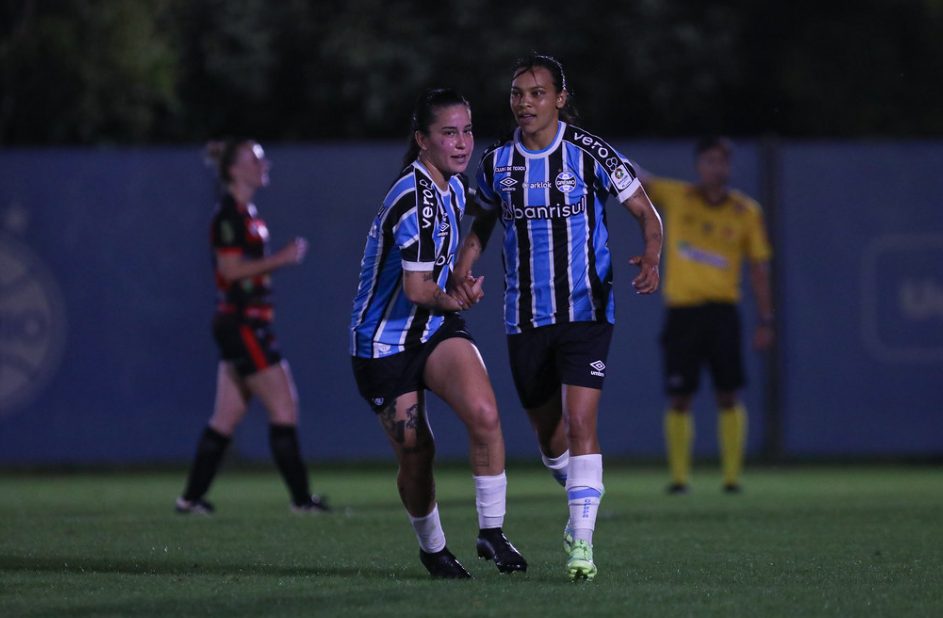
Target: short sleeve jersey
point(557, 263)
point(237, 230)
point(706, 243)
point(416, 229)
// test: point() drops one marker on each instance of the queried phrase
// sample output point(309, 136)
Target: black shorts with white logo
point(249, 345)
point(381, 380)
point(699, 335)
point(573, 353)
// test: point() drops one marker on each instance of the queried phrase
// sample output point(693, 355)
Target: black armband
point(484, 225)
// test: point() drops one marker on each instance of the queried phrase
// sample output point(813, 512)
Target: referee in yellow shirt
point(709, 230)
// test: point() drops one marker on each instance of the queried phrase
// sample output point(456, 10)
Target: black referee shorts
point(573, 353)
point(699, 335)
point(381, 380)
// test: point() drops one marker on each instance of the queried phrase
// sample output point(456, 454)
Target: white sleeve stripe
point(628, 191)
point(418, 266)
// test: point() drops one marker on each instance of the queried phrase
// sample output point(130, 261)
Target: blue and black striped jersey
point(417, 228)
point(557, 263)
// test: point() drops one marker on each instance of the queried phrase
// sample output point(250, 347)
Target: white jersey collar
point(530, 154)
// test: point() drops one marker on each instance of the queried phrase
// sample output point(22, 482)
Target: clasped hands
point(466, 290)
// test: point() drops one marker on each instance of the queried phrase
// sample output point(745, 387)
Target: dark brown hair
point(221, 154)
point(709, 142)
point(424, 113)
point(531, 62)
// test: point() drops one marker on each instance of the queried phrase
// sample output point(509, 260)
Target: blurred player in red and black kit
point(250, 362)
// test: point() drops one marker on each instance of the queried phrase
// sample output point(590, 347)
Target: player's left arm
point(763, 294)
point(759, 252)
point(650, 225)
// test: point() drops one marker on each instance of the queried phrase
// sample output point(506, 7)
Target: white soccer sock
point(584, 490)
point(429, 531)
point(557, 465)
point(490, 500)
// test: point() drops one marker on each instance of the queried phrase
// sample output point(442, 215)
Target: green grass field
point(802, 541)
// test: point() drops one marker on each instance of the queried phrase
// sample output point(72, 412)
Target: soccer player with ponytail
point(548, 184)
point(251, 364)
point(407, 335)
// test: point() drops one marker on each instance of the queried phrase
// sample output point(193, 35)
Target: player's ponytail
point(424, 114)
point(568, 113)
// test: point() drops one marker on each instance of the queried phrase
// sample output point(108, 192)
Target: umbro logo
point(598, 368)
point(508, 183)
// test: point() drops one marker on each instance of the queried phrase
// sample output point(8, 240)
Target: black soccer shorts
point(249, 345)
point(381, 380)
point(698, 335)
point(573, 353)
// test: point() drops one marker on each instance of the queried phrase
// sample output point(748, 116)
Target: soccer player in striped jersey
point(548, 185)
point(407, 335)
point(711, 230)
point(250, 361)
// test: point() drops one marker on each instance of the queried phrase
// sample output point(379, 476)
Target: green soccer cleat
point(567, 539)
point(579, 564)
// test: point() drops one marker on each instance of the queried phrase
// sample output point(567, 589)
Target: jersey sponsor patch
point(701, 256)
point(621, 177)
point(226, 233)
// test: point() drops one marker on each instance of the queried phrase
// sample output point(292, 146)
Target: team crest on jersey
point(257, 229)
point(621, 177)
point(565, 182)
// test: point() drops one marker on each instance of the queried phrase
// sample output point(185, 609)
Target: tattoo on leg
point(397, 429)
point(413, 416)
point(392, 427)
point(416, 421)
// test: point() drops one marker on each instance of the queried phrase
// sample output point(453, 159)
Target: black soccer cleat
point(443, 565)
point(315, 504)
point(199, 506)
point(493, 545)
point(732, 488)
point(677, 489)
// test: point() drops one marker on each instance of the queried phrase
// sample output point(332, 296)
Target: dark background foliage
point(164, 71)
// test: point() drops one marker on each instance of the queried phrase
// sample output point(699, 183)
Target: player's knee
point(581, 426)
point(226, 421)
point(415, 461)
point(483, 419)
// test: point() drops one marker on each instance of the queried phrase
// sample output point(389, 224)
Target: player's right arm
point(487, 207)
point(413, 233)
point(422, 289)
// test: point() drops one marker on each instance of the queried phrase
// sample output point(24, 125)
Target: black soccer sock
point(209, 454)
point(283, 439)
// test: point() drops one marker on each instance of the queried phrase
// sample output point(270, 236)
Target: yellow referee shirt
point(705, 243)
